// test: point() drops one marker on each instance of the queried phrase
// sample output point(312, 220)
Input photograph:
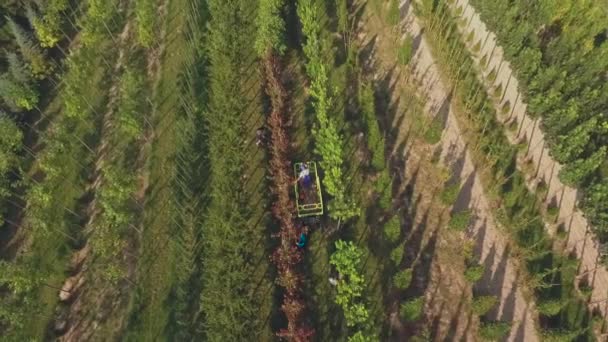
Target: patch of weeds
point(460, 220)
point(450, 193)
point(411, 310)
point(432, 134)
point(397, 255)
point(483, 304)
point(494, 330)
point(474, 273)
point(392, 229)
point(404, 55)
point(403, 279)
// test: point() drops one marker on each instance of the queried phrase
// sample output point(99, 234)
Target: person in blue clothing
point(302, 240)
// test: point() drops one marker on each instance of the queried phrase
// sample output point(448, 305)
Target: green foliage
point(16, 87)
point(392, 229)
point(130, 123)
point(560, 69)
point(559, 335)
point(145, 15)
point(397, 255)
point(99, 14)
point(271, 27)
point(482, 304)
point(328, 142)
point(346, 259)
point(406, 50)
point(394, 14)
point(460, 220)
point(48, 26)
point(375, 140)
point(29, 49)
point(411, 310)
point(579, 171)
point(494, 331)
point(550, 307)
point(403, 279)
point(384, 187)
point(449, 194)
point(474, 273)
point(432, 134)
point(476, 47)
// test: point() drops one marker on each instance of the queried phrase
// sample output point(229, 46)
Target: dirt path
point(580, 239)
point(501, 275)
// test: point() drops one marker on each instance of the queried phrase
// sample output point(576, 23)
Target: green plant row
point(558, 53)
point(52, 217)
point(329, 144)
point(518, 209)
point(229, 304)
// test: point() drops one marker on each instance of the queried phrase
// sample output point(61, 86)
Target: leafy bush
point(550, 307)
point(146, 19)
point(432, 134)
point(460, 220)
point(375, 140)
point(411, 310)
point(384, 187)
point(482, 304)
point(450, 193)
point(494, 331)
point(392, 229)
point(394, 14)
point(346, 259)
point(403, 279)
point(397, 255)
point(405, 52)
point(474, 273)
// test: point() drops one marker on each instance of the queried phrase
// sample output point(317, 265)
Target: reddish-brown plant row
point(287, 256)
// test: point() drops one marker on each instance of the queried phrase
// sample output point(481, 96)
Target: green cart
point(309, 201)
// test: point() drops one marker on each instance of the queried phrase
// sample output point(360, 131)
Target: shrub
point(550, 307)
point(474, 273)
point(411, 310)
point(392, 229)
point(432, 134)
point(492, 76)
point(397, 254)
point(506, 108)
point(477, 47)
point(482, 304)
point(470, 36)
point(560, 335)
point(484, 61)
point(449, 194)
point(403, 279)
point(406, 50)
point(384, 188)
point(394, 14)
point(460, 220)
point(498, 91)
point(493, 331)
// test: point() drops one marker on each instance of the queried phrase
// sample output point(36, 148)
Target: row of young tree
point(559, 54)
point(329, 143)
point(270, 46)
point(551, 273)
point(230, 302)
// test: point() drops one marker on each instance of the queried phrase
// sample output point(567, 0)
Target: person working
point(302, 241)
point(304, 175)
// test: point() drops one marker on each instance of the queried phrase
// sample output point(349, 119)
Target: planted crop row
point(558, 52)
point(231, 300)
point(329, 144)
point(287, 258)
point(551, 274)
